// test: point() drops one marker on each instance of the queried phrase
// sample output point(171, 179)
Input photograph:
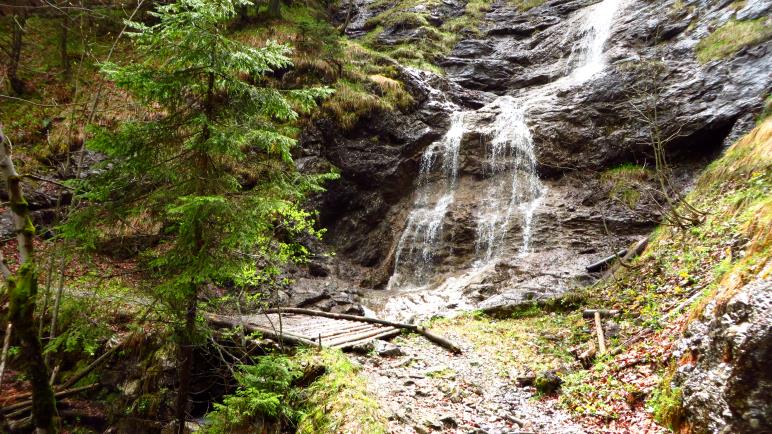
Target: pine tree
point(209, 164)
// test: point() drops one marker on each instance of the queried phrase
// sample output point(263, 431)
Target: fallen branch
point(590, 313)
point(605, 262)
point(599, 331)
point(27, 405)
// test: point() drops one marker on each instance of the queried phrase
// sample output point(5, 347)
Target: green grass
point(666, 402)
point(339, 401)
point(530, 340)
point(626, 182)
point(734, 35)
point(434, 42)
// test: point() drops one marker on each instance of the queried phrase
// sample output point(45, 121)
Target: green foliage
point(264, 391)
point(581, 394)
point(732, 36)
point(178, 168)
point(666, 403)
point(626, 182)
point(339, 401)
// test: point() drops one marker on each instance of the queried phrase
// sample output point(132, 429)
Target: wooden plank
point(336, 332)
point(342, 335)
point(354, 336)
point(387, 334)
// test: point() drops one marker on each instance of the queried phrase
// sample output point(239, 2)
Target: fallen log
point(605, 262)
point(439, 340)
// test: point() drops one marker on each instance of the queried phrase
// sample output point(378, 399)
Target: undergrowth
point(708, 262)
point(530, 340)
point(337, 401)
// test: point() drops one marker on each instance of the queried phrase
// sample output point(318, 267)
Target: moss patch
point(339, 400)
point(529, 341)
point(626, 182)
point(731, 37)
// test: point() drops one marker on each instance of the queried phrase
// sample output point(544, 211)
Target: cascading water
point(511, 166)
point(587, 57)
point(424, 224)
point(513, 188)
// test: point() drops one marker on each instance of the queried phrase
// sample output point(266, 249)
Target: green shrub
point(264, 391)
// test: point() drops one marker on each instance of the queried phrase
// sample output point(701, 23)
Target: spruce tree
point(209, 164)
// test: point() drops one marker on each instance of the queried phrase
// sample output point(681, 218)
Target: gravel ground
point(427, 389)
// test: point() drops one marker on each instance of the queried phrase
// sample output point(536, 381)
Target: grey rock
point(725, 374)
point(386, 349)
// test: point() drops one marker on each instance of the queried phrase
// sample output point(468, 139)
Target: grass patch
point(626, 181)
point(731, 37)
point(531, 340)
point(666, 403)
point(525, 5)
point(432, 40)
point(339, 400)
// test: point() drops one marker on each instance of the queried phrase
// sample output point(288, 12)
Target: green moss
point(626, 182)
point(666, 403)
point(525, 5)
point(339, 401)
point(731, 37)
point(529, 340)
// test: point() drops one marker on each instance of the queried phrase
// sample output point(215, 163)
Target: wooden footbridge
point(297, 326)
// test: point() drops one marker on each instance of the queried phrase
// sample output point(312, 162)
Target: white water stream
point(513, 187)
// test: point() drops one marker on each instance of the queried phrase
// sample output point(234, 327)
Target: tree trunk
point(19, 24)
point(63, 54)
point(23, 287)
point(274, 8)
point(189, 333)
point(186, 359)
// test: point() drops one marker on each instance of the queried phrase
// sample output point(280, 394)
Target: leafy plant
point(265, 389)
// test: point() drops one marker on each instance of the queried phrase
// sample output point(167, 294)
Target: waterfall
point(424, 224)
point(509, 167)
point(587, 57)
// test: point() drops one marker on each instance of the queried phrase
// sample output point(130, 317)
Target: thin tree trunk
point(274, 8)
point(22, 287)
point(188, 334)
point(63, 53)
point(6, 344)
point(57, 304)
point(186, 366)
point(17, 38)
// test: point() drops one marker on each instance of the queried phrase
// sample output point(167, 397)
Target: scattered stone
point(386, 349)
point(420, 430)
point(448, 421)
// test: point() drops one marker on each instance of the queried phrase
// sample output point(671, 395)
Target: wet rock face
point(725, 371)
point(579, 132)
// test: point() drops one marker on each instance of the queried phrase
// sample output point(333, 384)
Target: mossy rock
point(547, 382)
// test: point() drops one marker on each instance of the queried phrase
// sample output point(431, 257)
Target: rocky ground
point(424, 388)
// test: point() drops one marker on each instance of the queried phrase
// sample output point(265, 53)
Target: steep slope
point(658, 57)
